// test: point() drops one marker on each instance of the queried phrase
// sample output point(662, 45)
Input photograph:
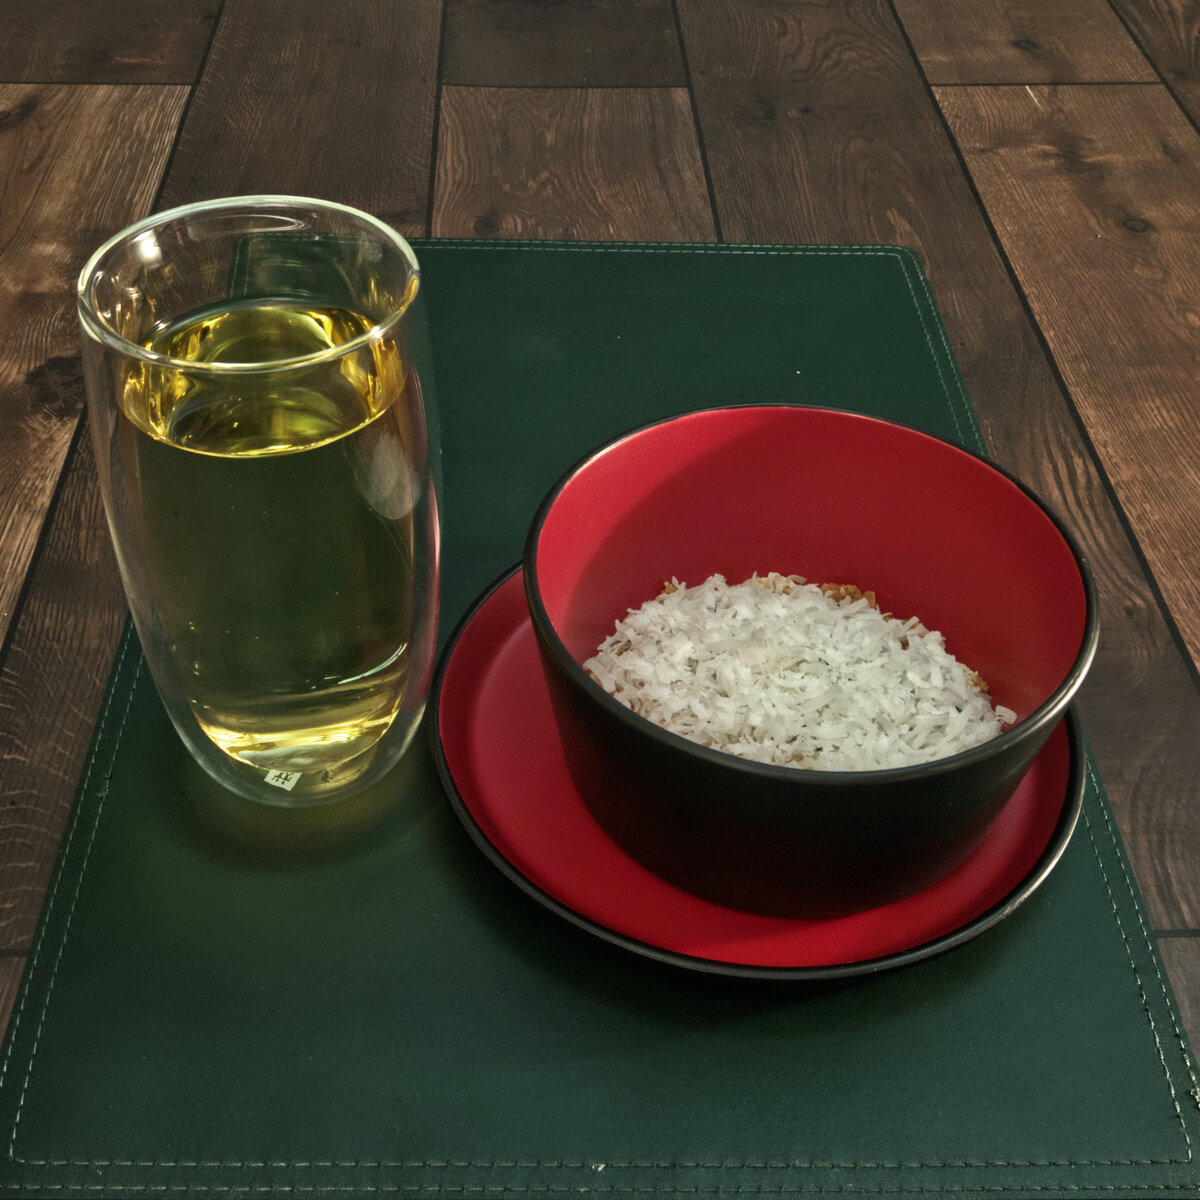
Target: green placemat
point(391, 1017)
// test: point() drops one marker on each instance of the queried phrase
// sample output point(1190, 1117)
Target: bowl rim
point(1039, 721)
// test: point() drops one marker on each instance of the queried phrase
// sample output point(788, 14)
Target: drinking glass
point(259, 399)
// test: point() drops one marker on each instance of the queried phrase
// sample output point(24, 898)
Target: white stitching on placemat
point(723, 249)
point(1179, 1038)
point(946, 376)
point(51, 900)
point(483, 1189)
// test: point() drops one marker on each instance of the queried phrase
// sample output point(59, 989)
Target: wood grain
point(570, 163)
point(50, 692)
point(91, 41)
point(1022, 41)
point(76, 164)
point(1092, 192)
point(818, 129)
point(524, 43)
point(298, 99)
point(11, 967)
point(1169, 34)
point(1181, 955)
point(817, 125)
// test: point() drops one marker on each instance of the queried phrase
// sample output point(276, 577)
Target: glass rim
point(103, 332)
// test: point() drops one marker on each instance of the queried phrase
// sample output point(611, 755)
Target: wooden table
point(1043, 160)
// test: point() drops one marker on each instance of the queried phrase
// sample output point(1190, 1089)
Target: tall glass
point(257, 380)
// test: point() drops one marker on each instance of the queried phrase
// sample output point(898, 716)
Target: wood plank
point(1022, 41)
point(1181, 955)
point(11, 967)
point(50, 692)
point(607, 43)
point(76, 164)
point(1169, 34)
point(818, 128)
point(287, 106)
point(92, 41)
point(1092, 191)
point(574, 163)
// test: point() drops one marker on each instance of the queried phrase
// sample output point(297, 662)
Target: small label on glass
point(283, 779)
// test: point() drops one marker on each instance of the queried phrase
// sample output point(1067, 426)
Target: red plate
point(499, 756)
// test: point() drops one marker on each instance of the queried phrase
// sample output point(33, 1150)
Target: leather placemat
point(388, 1016)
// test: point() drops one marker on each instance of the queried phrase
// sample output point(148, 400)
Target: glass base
point(313, 789)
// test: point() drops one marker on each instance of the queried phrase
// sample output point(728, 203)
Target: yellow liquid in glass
point(276, 511)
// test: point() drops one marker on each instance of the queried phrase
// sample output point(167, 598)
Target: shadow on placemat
point(263, 835)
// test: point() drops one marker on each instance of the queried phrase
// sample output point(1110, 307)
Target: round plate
point(499, 755)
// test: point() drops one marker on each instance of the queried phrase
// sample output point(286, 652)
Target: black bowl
point(934, 530)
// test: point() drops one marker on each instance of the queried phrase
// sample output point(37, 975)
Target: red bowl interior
point(835, 497)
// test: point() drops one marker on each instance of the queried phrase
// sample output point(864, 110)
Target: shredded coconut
point(781, 671)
